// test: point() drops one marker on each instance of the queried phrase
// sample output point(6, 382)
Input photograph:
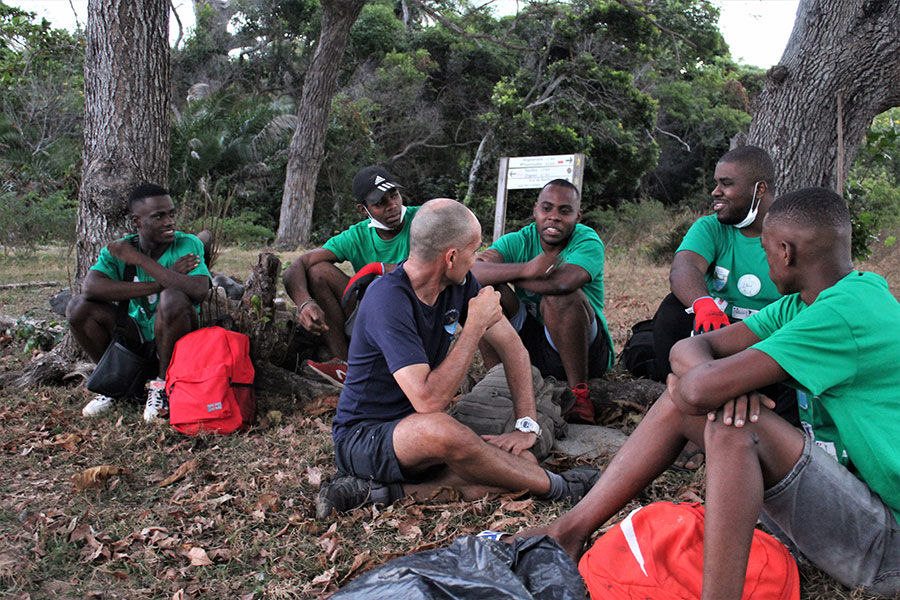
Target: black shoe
point(343, 493)
point(580, 480)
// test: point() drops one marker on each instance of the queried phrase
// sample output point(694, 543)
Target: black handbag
point(122, 372)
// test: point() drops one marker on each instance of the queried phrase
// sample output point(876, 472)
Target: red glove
point(361, 281)
point(708, 316)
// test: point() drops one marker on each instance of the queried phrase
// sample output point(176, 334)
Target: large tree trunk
point(126, 116)
point(839, 49)
point(126, 134)
point(307, 149)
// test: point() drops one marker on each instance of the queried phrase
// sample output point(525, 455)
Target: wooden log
point(28, 284)
point(276, 380)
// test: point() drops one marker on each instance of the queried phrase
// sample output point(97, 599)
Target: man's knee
point(323, 277)
point(447, 437)
point(717, 436)
point(80, 310)
point(173, 305)
point(571, 304)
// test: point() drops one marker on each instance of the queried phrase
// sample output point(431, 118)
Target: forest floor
point(233, 516)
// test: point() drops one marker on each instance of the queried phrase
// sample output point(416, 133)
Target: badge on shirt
point(720, 278)
point(749, 285)
point(451, 320)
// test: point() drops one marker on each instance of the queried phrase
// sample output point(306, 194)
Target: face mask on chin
point(751, 214)
point(373, 222)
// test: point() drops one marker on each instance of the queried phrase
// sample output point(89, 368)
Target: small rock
point(590, 441)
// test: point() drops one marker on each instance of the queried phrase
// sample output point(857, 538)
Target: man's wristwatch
point(528, 425)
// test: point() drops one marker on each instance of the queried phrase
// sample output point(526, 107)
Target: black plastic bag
point(474, 568)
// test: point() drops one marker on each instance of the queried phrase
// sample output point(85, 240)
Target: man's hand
point(742, 409)
point(484, 309)
point(540, 267)
point(708, 316)
point(185, 264)
point(514, 442)
point(360, 281)
point(312, 317)
point(124, 251)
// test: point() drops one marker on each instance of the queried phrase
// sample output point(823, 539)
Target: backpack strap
point(122, 305)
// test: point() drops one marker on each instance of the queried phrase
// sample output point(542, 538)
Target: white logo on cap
point(378, 179)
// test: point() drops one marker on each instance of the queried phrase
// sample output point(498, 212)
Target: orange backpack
point(656, 553)
point(209, 382)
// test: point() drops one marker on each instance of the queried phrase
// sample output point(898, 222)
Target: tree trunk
point(126, 135)
point(481, 156)
point(847, 49)
point(126, 117)
point(307, 151)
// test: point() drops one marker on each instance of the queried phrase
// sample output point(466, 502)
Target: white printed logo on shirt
point(749, 285)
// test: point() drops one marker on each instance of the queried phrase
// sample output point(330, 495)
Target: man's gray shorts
point(837, 522)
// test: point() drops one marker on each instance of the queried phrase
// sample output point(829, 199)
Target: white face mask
point(751, 214)
point(373, 222)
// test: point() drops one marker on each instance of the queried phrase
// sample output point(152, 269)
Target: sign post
point(533, 172)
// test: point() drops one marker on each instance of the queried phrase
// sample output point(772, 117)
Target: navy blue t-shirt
point(394, 329)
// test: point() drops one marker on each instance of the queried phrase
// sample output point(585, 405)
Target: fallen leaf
point(267, 502)
point(314, 475)
point(96, 477)
point(199, 557)
point(181, 472)
point(518, 505)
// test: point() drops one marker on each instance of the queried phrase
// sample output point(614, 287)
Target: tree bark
point(126, 117)
point(307, 150)
point(847, 49)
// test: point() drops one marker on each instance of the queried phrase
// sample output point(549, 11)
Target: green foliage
point(873, 188)
point(34, 338)
point(234, 142)
point(41, 105)
point(629, 222)
point(33, 219)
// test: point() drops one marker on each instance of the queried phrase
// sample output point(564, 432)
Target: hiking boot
point(580, 480)
point(334, 371)
point(346, 492)
point(157, 407)
point(583, 409)
point(97, 406)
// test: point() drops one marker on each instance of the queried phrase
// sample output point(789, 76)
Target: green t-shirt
point(738, 272)
point(584, 249)
point(361, 245)
point(143, 309)
point(842, 354)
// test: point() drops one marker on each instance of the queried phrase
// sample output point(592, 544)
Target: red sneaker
point(583, 409)
point(334, 371)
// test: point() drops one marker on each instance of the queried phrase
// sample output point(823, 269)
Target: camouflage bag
point(488, 408)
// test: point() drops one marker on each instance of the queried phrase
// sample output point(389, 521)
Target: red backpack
point(656, 553)
point(209, 382)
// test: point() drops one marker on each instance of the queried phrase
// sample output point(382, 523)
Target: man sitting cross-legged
point(372, 246)
point(391, 435)
point(556, 266)
point(830, 487)
point(170, 281)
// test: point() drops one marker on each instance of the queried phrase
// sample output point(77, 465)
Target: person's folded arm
point(98, 286)
point(561, 280)
point(708, 385)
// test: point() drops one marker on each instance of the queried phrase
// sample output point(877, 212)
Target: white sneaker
point(157, 406)
point(99, 405)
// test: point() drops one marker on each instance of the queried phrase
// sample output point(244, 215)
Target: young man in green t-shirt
point(556, 266)
point(170, 281)
point(373, 247)
point(719, 273)
point(830, 487)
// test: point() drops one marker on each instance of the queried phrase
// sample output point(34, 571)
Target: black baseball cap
point(371, 183)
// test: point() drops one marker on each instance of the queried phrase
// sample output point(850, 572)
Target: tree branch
point(456, 28)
